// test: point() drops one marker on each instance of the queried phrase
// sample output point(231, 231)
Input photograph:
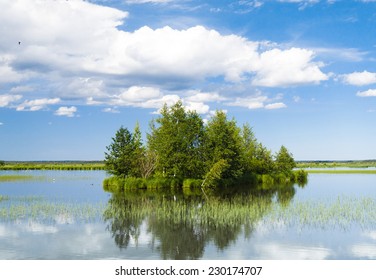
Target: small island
point(185, 151)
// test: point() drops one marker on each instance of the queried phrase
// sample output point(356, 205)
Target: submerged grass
point(239, 211)
point(12, 178)
point(38, 209)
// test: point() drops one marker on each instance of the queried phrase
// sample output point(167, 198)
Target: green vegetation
point(11, 178)
point(334, 164)
point(38, 209)
point(341, 171)
point(52, 165)
point(188, 221)
point(181, 147)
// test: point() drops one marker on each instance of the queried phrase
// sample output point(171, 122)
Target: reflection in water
point(183, 223)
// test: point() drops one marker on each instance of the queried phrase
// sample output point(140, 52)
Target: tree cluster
point(180, 145)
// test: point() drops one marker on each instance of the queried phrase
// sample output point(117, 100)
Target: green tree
point(2, 163)
point(248, 151)
point(223, 142)
point(176, 138)
point(137, 154)
point(263, 161)
point(123, 156)
point(284, 161)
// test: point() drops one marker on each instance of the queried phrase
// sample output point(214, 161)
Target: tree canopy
point(180, 145)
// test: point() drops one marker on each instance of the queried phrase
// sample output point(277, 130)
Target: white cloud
point(7, 99)
point(288, 67)
point(147, 1)
point(37, 104)
point(78, 52)
point(199, 107)
point(111, 110)
point(66, 111)
point(1, 123)
point(252, 102)
point(139, 94)
point(360, 78)
point(367, 93)
point(277, 105)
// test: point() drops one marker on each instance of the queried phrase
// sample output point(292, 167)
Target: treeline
point(182, 150)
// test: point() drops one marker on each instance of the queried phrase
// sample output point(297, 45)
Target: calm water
point(67, 215)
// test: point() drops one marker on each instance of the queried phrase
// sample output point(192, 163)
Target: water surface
point(67, 215)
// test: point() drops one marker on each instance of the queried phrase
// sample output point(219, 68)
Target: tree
point(263, 161)
point(176, 138)
point(284, 161)
point(138, 153)
point(2, 163)
point(123, 153)
point(223, 142)
point(248, 147)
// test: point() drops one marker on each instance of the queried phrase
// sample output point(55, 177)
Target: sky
point(302, 73)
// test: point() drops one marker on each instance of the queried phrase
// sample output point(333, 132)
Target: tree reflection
point(183, 223)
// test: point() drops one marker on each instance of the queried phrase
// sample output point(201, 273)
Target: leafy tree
point(122, 158)
point(263, 161)
point(176, 138)
point(284, 161)
point(2, 163)
point(249, 146)
point(223, 142)
point(137, 154)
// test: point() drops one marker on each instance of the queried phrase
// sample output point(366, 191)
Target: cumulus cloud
point(367, 93)
point(7, 99)
point(277, 105)
point(288, 67)
point(78, 52)
point(147, 1)
point(252, 102)
point(37, 104)
point(66, 111)
point(360, 78)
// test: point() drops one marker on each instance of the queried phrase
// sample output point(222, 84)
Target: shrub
point(192, 183)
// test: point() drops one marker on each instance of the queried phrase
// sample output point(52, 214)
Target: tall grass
point(38, 209)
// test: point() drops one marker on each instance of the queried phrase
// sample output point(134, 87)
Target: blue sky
point(301, 73)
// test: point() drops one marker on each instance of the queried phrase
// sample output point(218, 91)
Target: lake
point(68, 215)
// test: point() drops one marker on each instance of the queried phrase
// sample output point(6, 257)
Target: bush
point(301, 177)
point(158, 183)
point(135, 183)
point(114, 184)
point(192, 183)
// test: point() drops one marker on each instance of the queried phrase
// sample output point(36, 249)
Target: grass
point(333, 164)
point(250, 210)
point(38, 209)
point(11, 178)
point(53, 165)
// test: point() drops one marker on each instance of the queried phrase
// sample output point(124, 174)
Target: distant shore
point(51, 165)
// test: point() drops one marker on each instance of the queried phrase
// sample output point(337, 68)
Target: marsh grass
point(59, 165)
point(38, 209)
point(342, 212)
point(17, 177)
